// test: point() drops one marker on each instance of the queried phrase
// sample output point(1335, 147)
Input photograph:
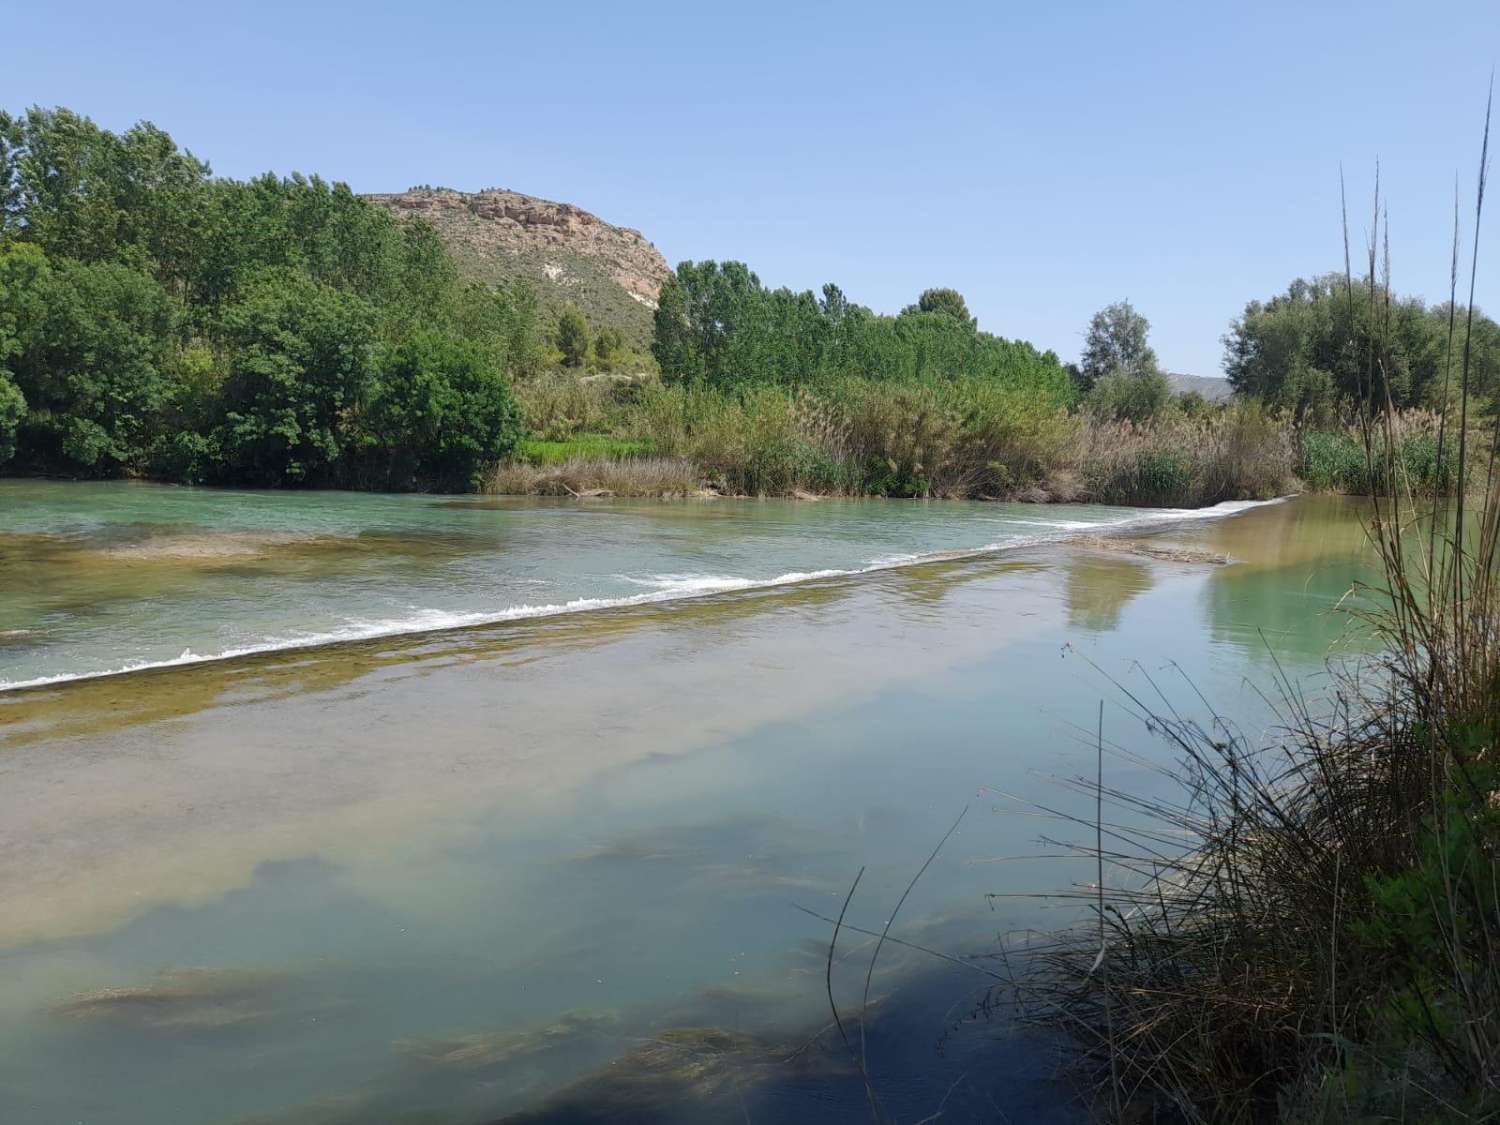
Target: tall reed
point(1310, 931)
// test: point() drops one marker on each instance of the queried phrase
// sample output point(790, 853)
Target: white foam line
point(665, 588)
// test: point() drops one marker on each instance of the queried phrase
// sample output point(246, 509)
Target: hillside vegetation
point(155, 320)
point(563, 254)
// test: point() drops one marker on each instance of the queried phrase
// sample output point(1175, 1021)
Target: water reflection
point(1295, 566)
point(1098, 587)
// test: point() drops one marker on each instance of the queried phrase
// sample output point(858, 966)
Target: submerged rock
point(181, 1000)
point(682, 1073)
point(479, 1050)
point(1165, 552)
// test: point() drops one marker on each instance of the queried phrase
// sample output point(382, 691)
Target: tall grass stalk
point(1310, 931)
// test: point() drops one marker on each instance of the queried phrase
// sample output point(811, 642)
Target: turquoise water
point(105, 577)
point(556, 868)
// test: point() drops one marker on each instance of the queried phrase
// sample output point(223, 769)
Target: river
point(458, 810)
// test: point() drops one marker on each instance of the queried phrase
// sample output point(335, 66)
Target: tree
point(573, 337)
point(301, 360)
point(1324, 342)
point(674, 338)
point(1123, 397)
point(90, 359)
point(438, 410)
point(156, 320)
point(1116, 344)
point(608, 341)
point(949, 302)
point(12, 410)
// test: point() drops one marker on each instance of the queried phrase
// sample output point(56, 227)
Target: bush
point(1335, 460)
point(573, 337)
point(590, 476)
point(1126, 397)
point(540, 451)
point(1239, 453)
point(12, 410)
point(439, 412)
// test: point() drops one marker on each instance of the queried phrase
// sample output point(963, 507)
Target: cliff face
point(613, 274)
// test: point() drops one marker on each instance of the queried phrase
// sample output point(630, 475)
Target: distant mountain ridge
point(568, 255)
point(1210, 387)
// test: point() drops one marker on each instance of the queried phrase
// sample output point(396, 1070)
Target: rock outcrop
point(613, 274)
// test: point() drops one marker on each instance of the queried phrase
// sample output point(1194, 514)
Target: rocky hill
point(1212, 388)
point(613, 274)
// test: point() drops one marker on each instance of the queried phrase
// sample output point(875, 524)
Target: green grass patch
point(536, 451)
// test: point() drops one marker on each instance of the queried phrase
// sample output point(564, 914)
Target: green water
point(550, 867)
point(101, 578)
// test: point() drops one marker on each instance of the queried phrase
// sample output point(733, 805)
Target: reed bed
point(1310, 931)
point(927, 439)
point(1178, 460)
point(587, 477)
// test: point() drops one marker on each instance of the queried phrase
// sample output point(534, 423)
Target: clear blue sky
point(1044, 159)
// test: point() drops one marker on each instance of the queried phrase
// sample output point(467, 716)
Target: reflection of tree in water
point(1292, 565)
point(930, 583)
point(1098, 587)
point(1291, 611)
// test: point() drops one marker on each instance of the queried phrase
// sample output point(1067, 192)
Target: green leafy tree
point(12, 410)
point(1126, 397)
point(1116, 343)
point(717, 323)
point(607, 343)
point(301, 360)
point(21, 268)
point(90, 361)
point(439, 409)
point(950, 302)
point(155, 319)
point(1310, 349)
point(573, 337)
point(674, 342)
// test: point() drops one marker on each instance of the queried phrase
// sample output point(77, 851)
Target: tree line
point(157, 320)
point(1329, 342)
point(717, 324)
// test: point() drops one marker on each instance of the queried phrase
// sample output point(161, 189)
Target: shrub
point(437, 413)
point(573, 337)
point(12, 410)
point(1127, 397)
point(1335, 461)
point(1239, 453)
point(540, 451)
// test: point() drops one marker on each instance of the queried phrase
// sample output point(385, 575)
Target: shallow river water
point(556, 865)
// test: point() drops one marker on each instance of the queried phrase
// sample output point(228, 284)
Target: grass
point(596, 476)
point(964, 439)
point(1310, 931)
point(1336, 460)
point(594, 447)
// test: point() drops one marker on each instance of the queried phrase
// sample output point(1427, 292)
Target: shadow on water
point(925, 1061)
point(927, 1058)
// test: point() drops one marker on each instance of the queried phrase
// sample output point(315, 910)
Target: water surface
point(550, 869)
point(115, 576)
